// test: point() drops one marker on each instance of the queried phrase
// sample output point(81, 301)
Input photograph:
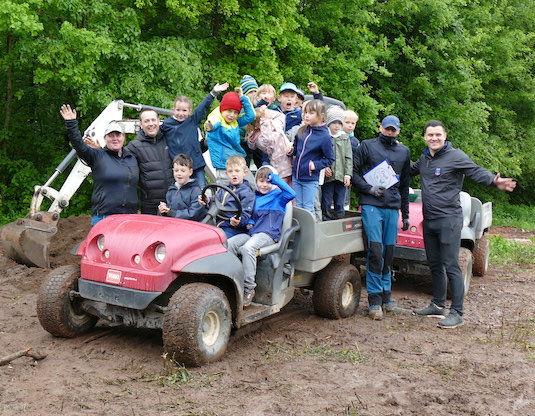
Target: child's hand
point(289, 150)
point(163, 208)
point(328, 172)
point(91, 142)
point(262, 110)
point(208, 126)
point(235, 221)
point(204, 201)
point(67, 112)
point(221, 87)
point(347, 181)
point(311, 166)
point(269, 177)
point(238, 91)
point(313, 88)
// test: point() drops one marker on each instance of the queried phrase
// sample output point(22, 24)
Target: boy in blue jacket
point(182, 130)
point(272, 195)
point(182, 197)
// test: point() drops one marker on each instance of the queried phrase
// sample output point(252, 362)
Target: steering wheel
point(217, 208)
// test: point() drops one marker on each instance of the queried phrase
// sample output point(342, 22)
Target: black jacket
point(115, 177)
point(369, 154)
point(184, 203)
point(442, 179)
point(155, 169)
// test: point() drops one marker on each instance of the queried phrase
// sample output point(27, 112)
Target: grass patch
point(322, 352)
point(518, 216)
point(504, 251)
point(519, 332)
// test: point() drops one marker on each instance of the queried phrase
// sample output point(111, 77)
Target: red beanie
point(230, 101)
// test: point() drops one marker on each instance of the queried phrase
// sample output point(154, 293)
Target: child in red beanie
point(223, 127)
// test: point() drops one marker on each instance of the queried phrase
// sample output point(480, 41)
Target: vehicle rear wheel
point(465, 263)
point(197, 324)
point(481, 256)
point(58, 312)
point(337, 291)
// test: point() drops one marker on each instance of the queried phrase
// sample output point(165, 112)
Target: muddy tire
point(337, 291)
point(57, 312)
point(481, 256)
point(465, 263)
point(197, 324)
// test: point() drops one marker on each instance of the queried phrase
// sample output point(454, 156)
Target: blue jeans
point(97, 218)
point(332, 193)
point(200, 177)
point(306, 192)
point(381, 227)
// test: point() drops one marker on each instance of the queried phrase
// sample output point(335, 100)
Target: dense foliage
point(467, 63)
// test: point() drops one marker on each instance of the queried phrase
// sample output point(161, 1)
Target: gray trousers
point(246, 245)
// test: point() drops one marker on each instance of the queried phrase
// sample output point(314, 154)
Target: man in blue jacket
point(380, 211)
point(442, 169)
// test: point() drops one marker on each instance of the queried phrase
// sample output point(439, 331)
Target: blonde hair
point(351, 113)
point(236, 160)
point(266, 88)
point(183, 99)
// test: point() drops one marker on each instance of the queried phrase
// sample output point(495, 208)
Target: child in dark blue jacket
point(182, 130)
point(182, 197)
point(272, 195)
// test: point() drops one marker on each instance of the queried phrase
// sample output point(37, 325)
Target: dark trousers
point(333, 192)
point(442, 239)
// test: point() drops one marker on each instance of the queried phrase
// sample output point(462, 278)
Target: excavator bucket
point(27, 241)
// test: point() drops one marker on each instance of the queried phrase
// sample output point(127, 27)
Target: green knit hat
point(248, 83)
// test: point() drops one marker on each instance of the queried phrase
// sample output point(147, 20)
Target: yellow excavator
point(27, 240)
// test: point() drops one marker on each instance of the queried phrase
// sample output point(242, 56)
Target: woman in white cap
point(114, 169)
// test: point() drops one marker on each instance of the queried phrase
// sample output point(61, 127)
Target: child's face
point(311, 118)
point(335, 127)
point(235, 174)
point(349, 124)
point(267, 95)
point(251, 95)
point(263, 186)
point(230, 115)
point(181, 111)
point(287, 100)
point(182, 173)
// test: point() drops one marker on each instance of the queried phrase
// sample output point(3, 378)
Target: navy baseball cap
point(390, 121)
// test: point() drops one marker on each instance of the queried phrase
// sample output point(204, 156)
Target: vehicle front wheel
point(197, 324)
point(337, 291)
point(59, 313)
point(481, 256)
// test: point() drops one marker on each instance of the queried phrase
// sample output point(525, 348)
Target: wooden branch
point(8, 358)
point(99, 335)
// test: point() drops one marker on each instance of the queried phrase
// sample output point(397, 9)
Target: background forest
point(468, 63)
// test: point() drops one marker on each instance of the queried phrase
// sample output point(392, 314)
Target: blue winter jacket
point(183, 202)
point(224, 139)
point(315, 145)
point(247, 198)
point(183, 137)
point(115, 177)
point(269, 209)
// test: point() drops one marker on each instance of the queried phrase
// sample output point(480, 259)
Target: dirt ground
point(293, 363)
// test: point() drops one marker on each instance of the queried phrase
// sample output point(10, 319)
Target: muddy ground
point(293, 363)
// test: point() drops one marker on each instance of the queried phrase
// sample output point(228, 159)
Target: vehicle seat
point(286, 224)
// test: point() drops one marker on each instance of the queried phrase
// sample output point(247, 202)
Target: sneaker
point(376, 312)
point(453, 320)
point(393, 308)
point(248, 296)
point(431, 311)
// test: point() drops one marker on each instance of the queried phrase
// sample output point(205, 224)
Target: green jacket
point(343, 163)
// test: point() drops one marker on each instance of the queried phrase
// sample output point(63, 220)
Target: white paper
point(382, 175)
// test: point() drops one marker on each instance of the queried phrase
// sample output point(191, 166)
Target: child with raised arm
point(236, 171)
point(182, 198)
point(313, 151)
point(182, 130)
point(337, 176)
point(223, 127)
point(272, 195)
point(290, 103)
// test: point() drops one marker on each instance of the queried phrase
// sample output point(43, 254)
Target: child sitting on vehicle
point(272, 195)
point(182, 130)
point(223, 127)
point(183, 196)
point(236, 171)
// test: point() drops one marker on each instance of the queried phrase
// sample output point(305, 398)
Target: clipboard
point(382, 175)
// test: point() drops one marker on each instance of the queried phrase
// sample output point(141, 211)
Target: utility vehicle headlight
point(159, 253)
point(100, 242)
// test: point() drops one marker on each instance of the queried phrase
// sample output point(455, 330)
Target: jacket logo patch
point(437, 171)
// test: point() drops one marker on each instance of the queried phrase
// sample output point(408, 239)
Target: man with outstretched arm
point(442, 169)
